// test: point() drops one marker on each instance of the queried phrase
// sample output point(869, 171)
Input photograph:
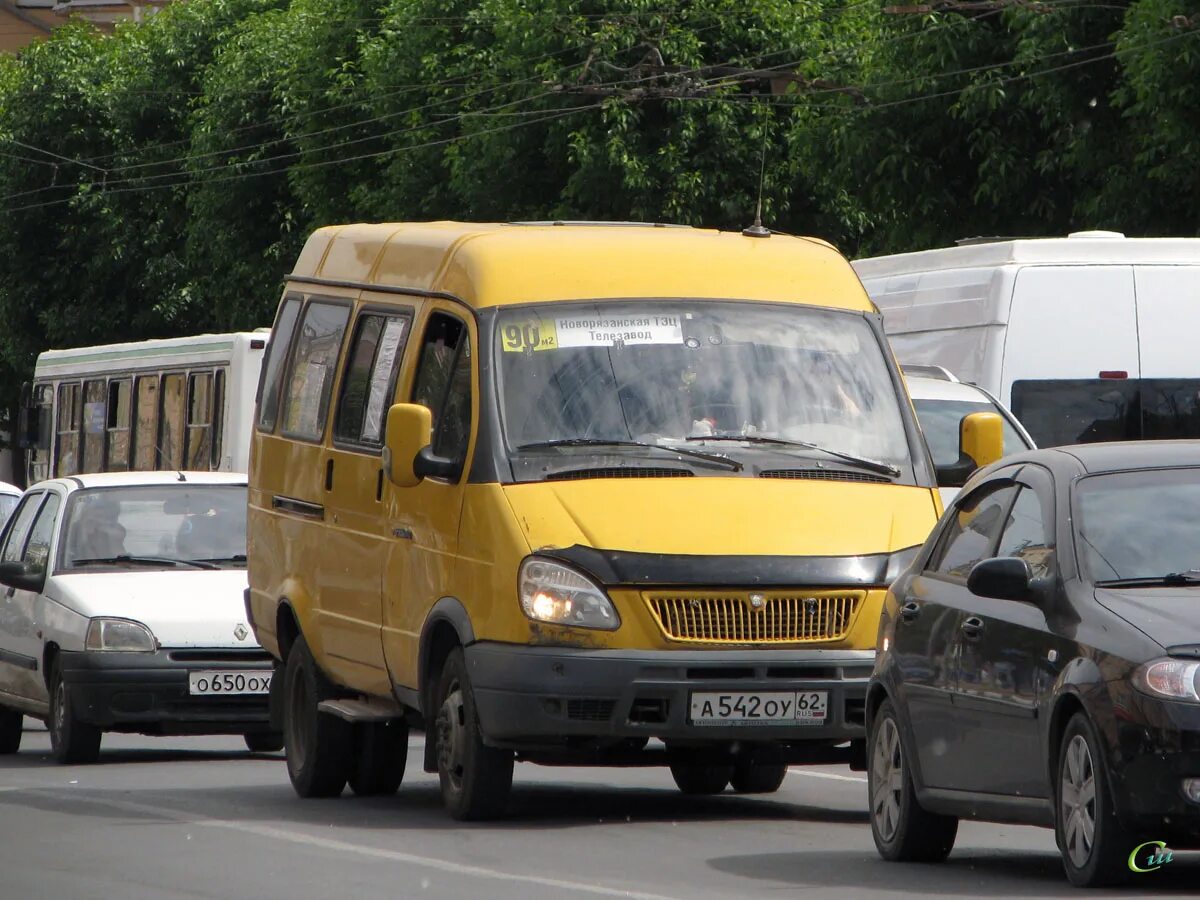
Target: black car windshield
point(166, 525)
point(668, 373)
point(1139, 525)
point(940, 421)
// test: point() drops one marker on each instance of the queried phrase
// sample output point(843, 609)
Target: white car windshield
point(201, 525)
point(670, 372)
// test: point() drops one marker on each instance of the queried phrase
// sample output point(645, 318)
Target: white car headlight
point(120, 634)
point(554, 593)
point(1172, 679)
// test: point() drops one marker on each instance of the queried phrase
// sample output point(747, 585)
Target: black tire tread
point(327, 764)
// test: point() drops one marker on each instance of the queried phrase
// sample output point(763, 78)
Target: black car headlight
point(1169, 679)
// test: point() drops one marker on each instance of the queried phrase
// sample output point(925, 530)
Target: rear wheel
point(71, 741)
point(263, 741)
point(698, 779)
point(758, 778)
point(380, 755)
point(11, 725)
point(903, 830)
point(318, 745)
point(476, 779)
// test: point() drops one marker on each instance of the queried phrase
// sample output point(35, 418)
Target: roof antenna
point(757, 230)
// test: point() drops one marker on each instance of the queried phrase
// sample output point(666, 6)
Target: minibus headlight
point(1171, 679)
point(899, 561)
point(554, 593)
point(120, 634)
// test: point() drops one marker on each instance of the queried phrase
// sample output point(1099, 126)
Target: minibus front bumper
point(540, 696)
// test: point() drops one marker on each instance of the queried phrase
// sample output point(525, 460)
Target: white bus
point(179, 403)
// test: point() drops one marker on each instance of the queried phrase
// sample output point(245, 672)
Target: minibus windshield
point(672, 372)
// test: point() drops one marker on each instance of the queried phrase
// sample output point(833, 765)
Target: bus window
point(66, 452)
point(218, 419)
point(199, 421)
point(171, 433)
point(117, 425)
point(39, 457)
point(145, 435)
point(94, 417)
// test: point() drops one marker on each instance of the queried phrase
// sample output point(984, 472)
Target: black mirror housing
point(22, 576)
point(1004, 578)
point(429, 465)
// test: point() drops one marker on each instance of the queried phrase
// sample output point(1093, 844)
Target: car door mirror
point(980, 443)
point(409, 431)
point(1004, 578)
point(22, 575)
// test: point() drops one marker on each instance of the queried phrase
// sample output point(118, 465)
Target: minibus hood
point(724, 516)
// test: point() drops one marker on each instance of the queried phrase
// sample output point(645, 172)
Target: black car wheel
point(380, 755)
point(699, 779)
point(71, 740)
point(11, 725)
point(758, 778)
point(903, 830)
point(318, 745)
point(263, 741)
point(1095, 848)
point(476, 779)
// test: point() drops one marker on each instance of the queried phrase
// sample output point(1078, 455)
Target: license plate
point(760, 708)
point(229, 682)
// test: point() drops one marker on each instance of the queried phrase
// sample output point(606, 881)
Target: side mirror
point(22, 576)
point(409, 431)
point(980, 443)
point(1004, 577)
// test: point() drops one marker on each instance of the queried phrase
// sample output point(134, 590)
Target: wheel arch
point(447, 626)
point(49, 654)
point(287, 627)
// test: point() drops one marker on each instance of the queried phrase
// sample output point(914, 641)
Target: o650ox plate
point(253, 681)
point(755, 708)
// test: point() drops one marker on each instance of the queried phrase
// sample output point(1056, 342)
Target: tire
point(698, 779)
point(263, 741)
point(380, 755)
point(318, 745)
point(1082, 797)
point(12, 725)
point(476, 779)
point(758, 778)
point(903, 830)
point(72, 741)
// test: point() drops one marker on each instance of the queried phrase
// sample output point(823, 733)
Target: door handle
point(910, 610)
point(973, 627)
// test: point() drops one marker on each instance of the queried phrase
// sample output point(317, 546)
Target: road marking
point(312, 840)
point(792, 770)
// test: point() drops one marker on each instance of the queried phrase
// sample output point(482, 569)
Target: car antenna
point(180, 473)
point(757, 230)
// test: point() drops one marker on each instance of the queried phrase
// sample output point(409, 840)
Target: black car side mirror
point(22, 576)
point(1004, 577)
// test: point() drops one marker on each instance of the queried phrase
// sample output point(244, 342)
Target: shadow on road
point(969, 873)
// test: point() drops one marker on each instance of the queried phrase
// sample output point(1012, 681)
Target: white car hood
point(183, 607)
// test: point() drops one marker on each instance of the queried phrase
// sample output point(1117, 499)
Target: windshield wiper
point(236, 558)
point(1171, 579)
point(145, 561)
point(715, 458)
point(872, 465)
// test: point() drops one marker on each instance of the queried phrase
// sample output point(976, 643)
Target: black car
point(1039, 662)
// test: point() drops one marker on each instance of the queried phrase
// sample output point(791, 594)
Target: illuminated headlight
point(898, 562)
point(120, 634)
point(1173, 679)
point(551, 592)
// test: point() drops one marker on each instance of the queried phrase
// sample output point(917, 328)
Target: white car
point(122, 609)
point(941, 401)
point(9, 495)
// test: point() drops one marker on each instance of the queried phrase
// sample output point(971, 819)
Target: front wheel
point(263, 741)
point(903, 830)
point(699, 779)
point(476, 779)
point(318, 745)
point(758, 778)
point(12, 724)
point(380, 755)
point(1095, 848)
point(71, 740)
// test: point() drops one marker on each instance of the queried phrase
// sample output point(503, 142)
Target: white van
point(1085, 338)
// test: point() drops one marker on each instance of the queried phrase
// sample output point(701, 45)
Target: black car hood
point(1167, 615)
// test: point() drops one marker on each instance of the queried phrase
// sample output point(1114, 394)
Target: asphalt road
point(202, 818)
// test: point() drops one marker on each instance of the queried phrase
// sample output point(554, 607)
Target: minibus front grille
point(825, 475)
point(754, 617)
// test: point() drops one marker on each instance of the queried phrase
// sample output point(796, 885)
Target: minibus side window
point(117, 424)
point(95, 395)
point(145, 435)
point(369, 380)
point(272, 370)
point(309, 383)
point(444, 384)
point(66, 451)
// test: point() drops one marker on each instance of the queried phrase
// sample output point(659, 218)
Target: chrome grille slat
point(728, 617)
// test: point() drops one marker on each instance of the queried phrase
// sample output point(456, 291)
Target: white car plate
point(760, 708)
point(227, 681)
